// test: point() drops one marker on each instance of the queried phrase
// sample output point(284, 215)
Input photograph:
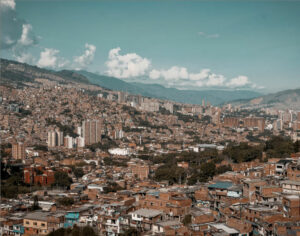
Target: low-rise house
point(267, 193)
point(201, 215)
point(223, 229)
point(290, 187)
point(291, 206)
point(18, 230)
point(162, 228)
point(73, 216)
point(9, 223)
point(249, 188)
point(35, 223)
point(145, 218)
point(281, 167)
point(293, 171)
point(174, 204)
point(244, 227)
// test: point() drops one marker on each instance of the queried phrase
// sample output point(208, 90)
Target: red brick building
point(173, 204)
point(291, 206)
point(141, 171)
point(38, 175)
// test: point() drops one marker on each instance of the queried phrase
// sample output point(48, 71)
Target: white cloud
point(131, 65)
point(239, 81)
point(154, 74)
point(180, 77)
point(87, 57)
point(8, 3)
point(24, 57)
point(174, 73)
point(17, 35)
point(27, 37)
point(127, 65)
point(21, 47)
point(210, 36)
point(177, 73)
point(15, 32)
point(49, 58)
point(255, 86)
point(200, 76)
point(7, 40)
point(213, 36)
point(215, 80)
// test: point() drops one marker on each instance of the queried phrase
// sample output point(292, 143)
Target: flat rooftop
point(147, 212)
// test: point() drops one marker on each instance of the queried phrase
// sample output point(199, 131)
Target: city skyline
point(150, 117)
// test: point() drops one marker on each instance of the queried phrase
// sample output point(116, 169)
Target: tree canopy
point(62, 179)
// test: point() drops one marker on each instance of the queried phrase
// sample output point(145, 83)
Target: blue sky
point(182, 44)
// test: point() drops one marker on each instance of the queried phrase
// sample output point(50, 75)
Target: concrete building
point(140, 170)
point(55, 138)
point(69, 142)
point(18, 151)
point(121, 97)
point(80, 142)
point(232, 122)
point(92, 130)
point(255, 122)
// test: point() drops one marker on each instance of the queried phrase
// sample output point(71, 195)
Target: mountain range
point(215, 97)
point(20, 73)
point(287, 99)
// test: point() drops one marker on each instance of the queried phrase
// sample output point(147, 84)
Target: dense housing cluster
point(78, 158)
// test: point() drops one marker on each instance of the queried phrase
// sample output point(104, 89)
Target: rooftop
point(169, 223)
point(221, 185)
point(38, 215)
point(147, 212)
point(225, 228)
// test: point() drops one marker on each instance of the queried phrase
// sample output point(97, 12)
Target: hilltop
point(287, 99)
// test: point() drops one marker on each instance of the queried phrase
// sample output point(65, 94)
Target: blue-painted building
point(71, 218)
point(18, 230)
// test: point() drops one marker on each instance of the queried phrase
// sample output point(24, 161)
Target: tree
point(58, 232)
point(41, 148)
point(113, 187)
point(62, 179)
point(243, 152)
point(173, 173)
point(187, 220)
point(75, 231)
point(66, 201)
point(279, 147)
point(88, 231)
point(206, 171)
point(78, 172)
point(297, 146)
point(35, 206)
point(131, 232)
point(222, 169)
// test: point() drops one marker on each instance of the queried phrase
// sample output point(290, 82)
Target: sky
point(188, 44)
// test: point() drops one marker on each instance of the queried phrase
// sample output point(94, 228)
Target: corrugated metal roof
point(221, 185)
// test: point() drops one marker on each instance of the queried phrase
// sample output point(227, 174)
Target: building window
point(34, 223)
point(27, 222)
point(42, 224)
